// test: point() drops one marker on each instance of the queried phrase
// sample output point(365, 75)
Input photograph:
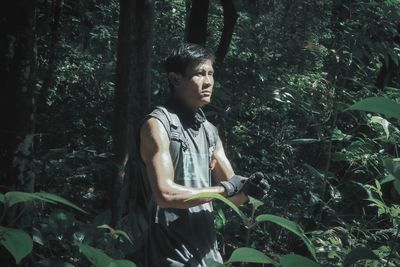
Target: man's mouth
point(206, 93)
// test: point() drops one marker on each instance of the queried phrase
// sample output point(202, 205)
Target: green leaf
point(15, 197)
point(249, 255)
point(383, 122)
point(2, 198)
point(223, 199)
point(255, 202)
point(314, 171)
point(387, 179)
point(213, 263)
point(95, 255)
point(115, 232)
point(338, 135)
point(121, 263)
point(378, 104)
point(294, 260)
point(58, 199)
point(359, 254)
point(289, 225)
point(392, 166)
point(16, 241)
point(98, 258)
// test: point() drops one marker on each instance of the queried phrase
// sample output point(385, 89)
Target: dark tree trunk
point(54, 35)
point(389, 70)
point(230, 18)
point(197, 22)
point(386, 74)
point(17, 72)
point(132, 95)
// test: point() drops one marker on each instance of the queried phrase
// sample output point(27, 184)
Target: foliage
point(308, 92)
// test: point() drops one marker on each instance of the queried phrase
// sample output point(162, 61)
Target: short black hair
point(185, 55)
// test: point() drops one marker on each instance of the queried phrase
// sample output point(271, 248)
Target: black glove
point(256, 186)
point(234, 185)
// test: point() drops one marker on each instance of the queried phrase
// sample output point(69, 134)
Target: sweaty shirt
point(184, 237)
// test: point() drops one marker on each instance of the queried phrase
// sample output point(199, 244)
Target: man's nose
point(208, 80)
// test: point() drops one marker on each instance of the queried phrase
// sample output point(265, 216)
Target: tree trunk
point(54, 35)
point(197, 22)
point(132, 94)
point(388, 71)
point(230, 18)
point(17, 72)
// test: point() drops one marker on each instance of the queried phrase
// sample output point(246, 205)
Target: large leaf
point(380, 105)
point(59, 200)
point(16, 241)
point(392, 166)
point(358, 254)
point(121, 263)
point(249, 255)
point(223, 199)
point(294, 260)
point(2, 198)
point(98, 258)
point(14, 197)
point(289, 225)
point(213, 263)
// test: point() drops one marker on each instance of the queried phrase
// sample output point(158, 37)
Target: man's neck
point(188, 115)
point(183, 106)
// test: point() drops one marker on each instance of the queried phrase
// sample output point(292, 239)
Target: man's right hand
point(256, 186)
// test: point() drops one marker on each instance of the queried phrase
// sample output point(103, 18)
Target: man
point(182, 156)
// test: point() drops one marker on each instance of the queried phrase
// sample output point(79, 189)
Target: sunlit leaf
point(223, 199)
point(255, 202)
point(289, 225)
point(378, 104)
point(249, 255)
point(16, 241)
point(383, 122)
point(304, 141)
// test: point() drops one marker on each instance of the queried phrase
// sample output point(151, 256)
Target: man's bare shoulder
point(153, 135)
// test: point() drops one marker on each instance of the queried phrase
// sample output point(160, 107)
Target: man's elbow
point(165, 200)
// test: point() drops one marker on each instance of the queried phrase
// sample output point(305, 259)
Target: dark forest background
point(77, 77)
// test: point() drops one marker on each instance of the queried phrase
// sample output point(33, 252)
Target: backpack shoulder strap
point(174, 122)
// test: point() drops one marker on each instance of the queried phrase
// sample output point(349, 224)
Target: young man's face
point(196, 86)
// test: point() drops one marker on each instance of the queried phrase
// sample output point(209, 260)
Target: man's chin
point(205, 100)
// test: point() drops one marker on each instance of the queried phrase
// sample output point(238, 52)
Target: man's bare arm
point(154, 150)
point(223, 171)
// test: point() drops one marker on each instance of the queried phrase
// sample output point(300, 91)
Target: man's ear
point(174, 78)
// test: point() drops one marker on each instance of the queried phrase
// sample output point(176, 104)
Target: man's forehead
point(205, 64)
